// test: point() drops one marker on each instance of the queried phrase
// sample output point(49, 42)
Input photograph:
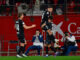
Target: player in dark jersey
point(46, 14)
point(45, 17)
point(20, 25)
point(47, 26)
point(49, 38)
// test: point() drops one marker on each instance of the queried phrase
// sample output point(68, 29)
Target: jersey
point(45, 17)
point(19, 27)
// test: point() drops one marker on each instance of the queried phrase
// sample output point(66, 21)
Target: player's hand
point(25, 42)
point(33, 25)
point(44, 24)
point(45, 45)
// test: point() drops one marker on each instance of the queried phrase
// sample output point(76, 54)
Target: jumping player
point(49, 38)
point(20, 25)
point(45, 17)
point(47, 26)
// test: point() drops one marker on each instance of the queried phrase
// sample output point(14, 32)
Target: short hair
point(66, 33)
point(49, 6)
point(20, 14)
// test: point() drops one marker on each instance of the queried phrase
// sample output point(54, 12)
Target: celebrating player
point(20, 25)
point(46, 25)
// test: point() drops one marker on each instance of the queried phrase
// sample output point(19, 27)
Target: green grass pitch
point(41, 58)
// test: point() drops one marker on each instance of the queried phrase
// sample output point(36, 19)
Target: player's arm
point(43, 25)
point(28, 27)
point(72, 39)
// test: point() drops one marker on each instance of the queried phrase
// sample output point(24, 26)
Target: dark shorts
point(48, 39)
point(21, 38)
point(48, 42)
point(44, 28)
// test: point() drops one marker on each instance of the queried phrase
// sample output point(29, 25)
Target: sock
point(46, 50)
point(23, 49)
point(20, 49)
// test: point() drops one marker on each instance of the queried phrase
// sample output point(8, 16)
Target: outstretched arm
point(28, 27)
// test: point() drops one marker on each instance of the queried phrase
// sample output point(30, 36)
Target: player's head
point(50, 8)
point(21, 15)
point(37, 31)
point(50, 18)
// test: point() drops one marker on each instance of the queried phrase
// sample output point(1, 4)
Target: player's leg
point(52, 48)
point(23, 49)
point(46, 43)
point(20, 49)
point(46, 50)
point(22, 45)
point(47, 47)
point(52, 38)
point(55, 52)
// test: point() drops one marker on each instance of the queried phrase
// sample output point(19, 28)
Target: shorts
point(21, 38)
point(48, 39)
point(48, 42)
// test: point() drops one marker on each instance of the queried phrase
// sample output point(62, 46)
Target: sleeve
point(72, 39)
point(17, 25)
point(40, 38)
point(42, 21)
point(46, 13)
point(33, 39)
point(44, 16)
point(23, 23)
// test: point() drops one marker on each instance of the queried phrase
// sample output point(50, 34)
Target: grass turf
point(41, 58)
